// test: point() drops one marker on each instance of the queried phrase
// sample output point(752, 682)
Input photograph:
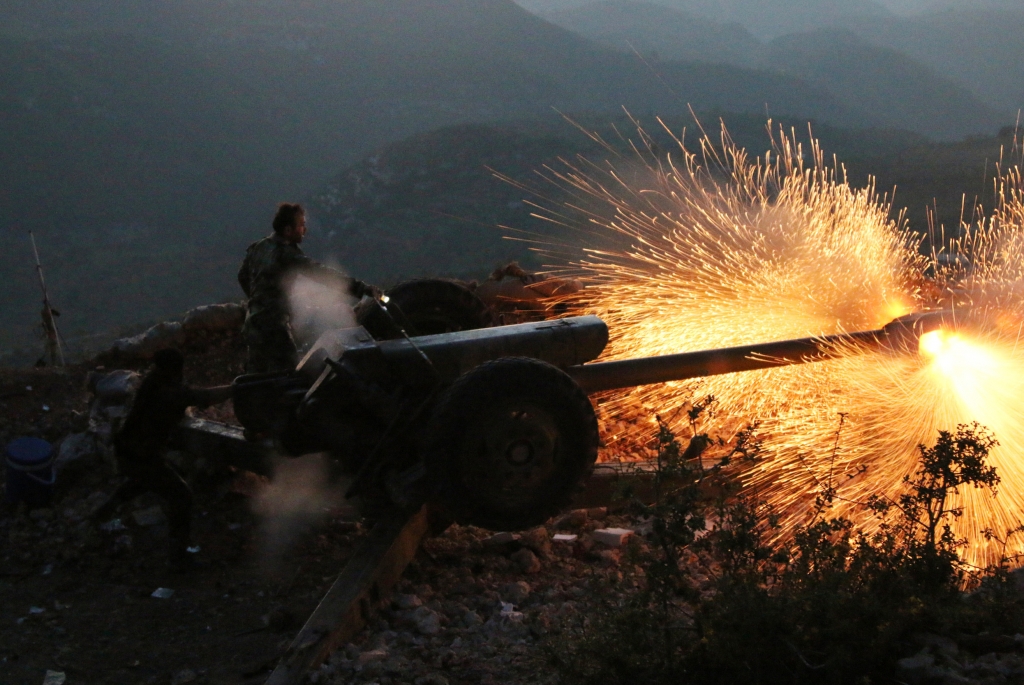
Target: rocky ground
point(99, 605)
point(85, 600)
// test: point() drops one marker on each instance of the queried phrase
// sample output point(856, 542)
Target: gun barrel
point(898, 334)
point(563, 342)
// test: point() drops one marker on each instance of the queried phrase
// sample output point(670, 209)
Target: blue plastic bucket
point(30, 474)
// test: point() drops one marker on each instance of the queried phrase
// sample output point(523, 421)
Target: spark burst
point(692, 251)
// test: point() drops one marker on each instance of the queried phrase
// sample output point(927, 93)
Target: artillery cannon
point(494, 424)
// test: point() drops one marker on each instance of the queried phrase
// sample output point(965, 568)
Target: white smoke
point(317, 306)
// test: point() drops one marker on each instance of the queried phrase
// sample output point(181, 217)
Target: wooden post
point(53, 339)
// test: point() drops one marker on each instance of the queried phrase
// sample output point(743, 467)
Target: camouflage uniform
point(267, 331)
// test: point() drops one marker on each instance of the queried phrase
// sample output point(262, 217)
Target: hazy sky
point(913, 6)
point(897, 6)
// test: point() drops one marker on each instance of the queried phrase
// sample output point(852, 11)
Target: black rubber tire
point(438, 306)
point(510, 443)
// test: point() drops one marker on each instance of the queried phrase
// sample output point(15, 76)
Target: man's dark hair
point(287, 215)
point(169, 361)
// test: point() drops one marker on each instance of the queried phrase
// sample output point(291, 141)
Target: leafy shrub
point(729, 599)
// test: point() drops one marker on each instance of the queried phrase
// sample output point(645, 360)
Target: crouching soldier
point(159, 406)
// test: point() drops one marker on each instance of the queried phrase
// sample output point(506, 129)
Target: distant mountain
point(546, 7)
point(432, 204)
point(771, 18)
point(982, 49)
point(764, 18)
point(654, 29)
point(152, 139)
point(895, 88)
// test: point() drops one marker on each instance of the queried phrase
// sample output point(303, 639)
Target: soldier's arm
point(204, 397)
point(358, 288)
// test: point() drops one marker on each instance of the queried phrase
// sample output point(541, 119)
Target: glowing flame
point(967, 366)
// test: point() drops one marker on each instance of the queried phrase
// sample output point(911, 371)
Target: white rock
point(564, 537)
point(613, 537)
point(54, 678)
point(163, 593)
point(509, 613)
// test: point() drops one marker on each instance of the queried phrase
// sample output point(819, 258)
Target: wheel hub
point(519, 453)
point(511, 453)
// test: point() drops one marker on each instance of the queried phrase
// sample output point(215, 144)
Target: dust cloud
point(301, 493)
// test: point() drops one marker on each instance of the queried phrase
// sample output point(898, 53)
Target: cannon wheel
point(438, 306)
point(510, 443)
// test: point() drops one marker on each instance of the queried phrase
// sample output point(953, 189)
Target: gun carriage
point(493, 424)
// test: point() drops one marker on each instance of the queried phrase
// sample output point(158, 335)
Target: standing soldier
point(268, 263)
point(158, 407)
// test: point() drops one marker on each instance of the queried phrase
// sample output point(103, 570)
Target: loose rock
point(407, 601)
point(499, 539)
point(54, 678)
point(574, 520)
point(912, 670)
point(150, 516)
point(526, 560)
point(537, 540)
point(427, 621)
point(371, 655)
point(516, 593)
point(613, 537)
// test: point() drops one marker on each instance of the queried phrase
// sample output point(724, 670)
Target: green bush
point(824, 604)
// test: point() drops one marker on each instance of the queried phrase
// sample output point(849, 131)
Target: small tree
point(926, 515)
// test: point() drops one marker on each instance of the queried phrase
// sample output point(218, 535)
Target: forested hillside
point(151, 140)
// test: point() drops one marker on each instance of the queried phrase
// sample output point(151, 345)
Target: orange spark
point(700, 251)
